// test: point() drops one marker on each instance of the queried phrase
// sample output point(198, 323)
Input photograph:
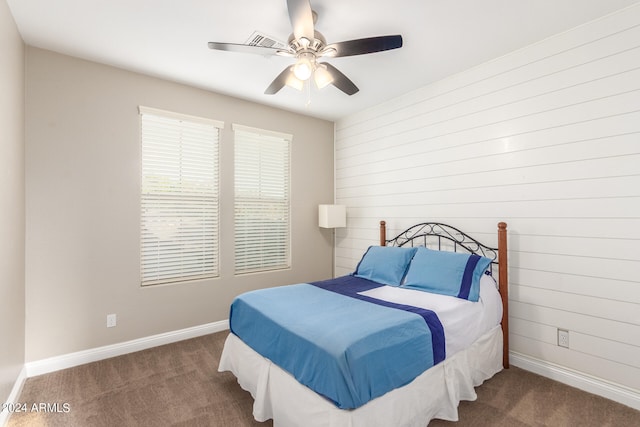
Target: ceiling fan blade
point(362, 46)
point(301, 18)
point(246, 48)
point(286, 77)
point(341, 81)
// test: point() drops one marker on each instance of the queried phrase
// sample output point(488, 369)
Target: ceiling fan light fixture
point(294, 82)
point(322, 77)
point(305, 66)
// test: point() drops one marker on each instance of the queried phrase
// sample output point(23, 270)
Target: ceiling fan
point(308, 45)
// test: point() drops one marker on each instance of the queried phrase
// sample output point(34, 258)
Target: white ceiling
point(168, 39)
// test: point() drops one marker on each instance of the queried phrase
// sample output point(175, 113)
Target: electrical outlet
point(111, 320)
point(563, 338)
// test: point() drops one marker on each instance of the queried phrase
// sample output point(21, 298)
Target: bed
point(402, 340)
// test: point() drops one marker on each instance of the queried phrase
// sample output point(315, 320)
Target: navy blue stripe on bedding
point(352, 286)
point(467, 277)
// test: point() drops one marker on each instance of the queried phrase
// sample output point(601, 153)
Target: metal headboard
point(428, 233)
point(421, 234)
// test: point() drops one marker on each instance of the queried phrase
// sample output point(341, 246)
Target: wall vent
point(263, 40)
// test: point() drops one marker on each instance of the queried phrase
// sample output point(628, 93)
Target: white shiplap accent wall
point(547, 139)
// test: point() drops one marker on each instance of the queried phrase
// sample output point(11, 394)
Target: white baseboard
point(14, 395)
point(616, 392)
point(57, 363)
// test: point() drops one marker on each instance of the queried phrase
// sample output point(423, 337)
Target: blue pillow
point(447, 273)
point(385, 264)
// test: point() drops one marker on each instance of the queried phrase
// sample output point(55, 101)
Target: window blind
point(179, 197)
point(262, 205)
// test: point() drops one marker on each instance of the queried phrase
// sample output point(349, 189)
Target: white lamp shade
point(332, 216)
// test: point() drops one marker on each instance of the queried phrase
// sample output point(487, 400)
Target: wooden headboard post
point(503, 282)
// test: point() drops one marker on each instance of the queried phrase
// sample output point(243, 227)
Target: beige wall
point(11, 202)
point(82, 205)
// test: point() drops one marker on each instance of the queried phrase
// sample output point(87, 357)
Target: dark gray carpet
point(178, 385)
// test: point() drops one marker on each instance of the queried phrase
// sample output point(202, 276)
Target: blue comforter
point(344, 346)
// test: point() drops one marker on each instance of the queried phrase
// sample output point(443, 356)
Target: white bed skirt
point(436, 393)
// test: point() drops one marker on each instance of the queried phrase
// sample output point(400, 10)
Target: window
point(179, 200)
point(262, 236)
